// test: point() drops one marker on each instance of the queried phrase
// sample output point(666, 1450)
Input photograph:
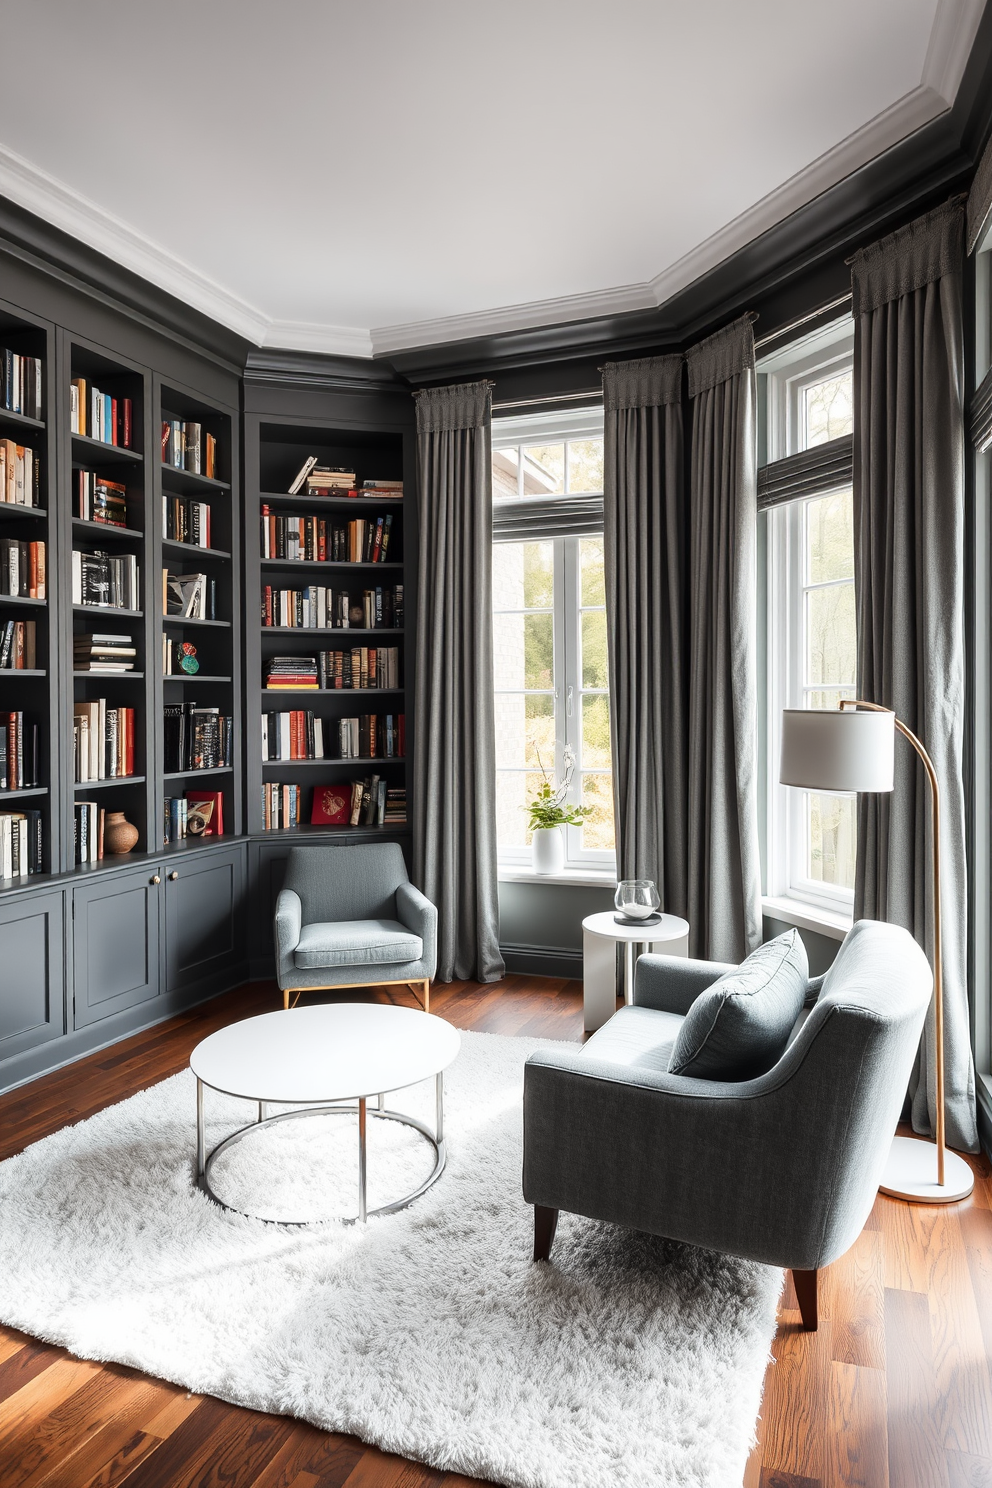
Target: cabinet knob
point(155, 878)
point(173, 876)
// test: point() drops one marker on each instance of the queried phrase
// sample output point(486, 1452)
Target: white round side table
point(600, 936)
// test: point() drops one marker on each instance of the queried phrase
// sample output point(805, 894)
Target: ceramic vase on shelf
point(548, 850)
point(119, 836)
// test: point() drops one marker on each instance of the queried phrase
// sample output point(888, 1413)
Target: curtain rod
point(551, 398)
point(795, 325)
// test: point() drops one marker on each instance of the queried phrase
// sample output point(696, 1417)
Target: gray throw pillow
point(739, 1027)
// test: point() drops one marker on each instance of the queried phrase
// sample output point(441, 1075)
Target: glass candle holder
point(636, 901)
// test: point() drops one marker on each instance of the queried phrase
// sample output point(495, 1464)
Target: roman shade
point(813, 472)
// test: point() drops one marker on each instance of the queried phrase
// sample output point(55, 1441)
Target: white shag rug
point(627, 1361)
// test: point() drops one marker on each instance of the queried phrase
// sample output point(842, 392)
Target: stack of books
point(18, 646)
point(93, 652)
point(291, 673)
point(88, 820)
point(308, 539)
point(185, 446)
point(197, 814)
point(282, 805)
point(21, 843)
point(390, 488)
point(300, 734)
point(23, 569)
point(20, 474)
point(196, 738)
point(194, 596)
point(20, 383)
point(395, 813)
point(186, 521)
point(361, 667)
point(99, 415)
point(103, 741)
point(320, 608)
point(19, 740)
point(322, 480)
point(100, 500)
point(104, 581)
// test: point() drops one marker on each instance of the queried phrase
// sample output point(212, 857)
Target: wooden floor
point(894, 1391)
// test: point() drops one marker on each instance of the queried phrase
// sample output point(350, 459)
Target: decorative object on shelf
point(187, 658)
point(549, 812)
point(637, 902)
point(119, 836)
point(852, 748)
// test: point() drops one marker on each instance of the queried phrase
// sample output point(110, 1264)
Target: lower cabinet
point(204, 917)
point(32, 972)
point(116, 940)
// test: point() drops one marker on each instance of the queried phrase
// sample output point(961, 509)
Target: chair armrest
point(417, 913)
point(287, 925)
point(671, 984)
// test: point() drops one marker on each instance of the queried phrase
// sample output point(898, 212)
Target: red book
point(113, 420)
point(331, 806)
point(166, 431)
point(209, 808)
point(129, 743)
point(126, 432)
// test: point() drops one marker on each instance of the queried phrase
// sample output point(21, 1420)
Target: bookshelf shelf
point(353, 504)
point(87, 451)
point(21, 421)
point(107, 611)
point(324, 764)
point(196, 774)
point(18, 599)
point(184, 677)
point(112, 676)
point(87, 785)
point(104, 530)
point(12, 509)
point(327, 630)
point(21, 672)
point(181, 620)
point(21, 795)
point(187, 480)
point(306, 563)
point(335, 692)
point(171, 546)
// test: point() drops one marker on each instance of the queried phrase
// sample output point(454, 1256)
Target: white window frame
point(567, 609)
point(789, 373)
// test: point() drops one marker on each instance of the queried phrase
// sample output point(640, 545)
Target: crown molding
point(952, 36)
point(325, 340)
point(277, 366)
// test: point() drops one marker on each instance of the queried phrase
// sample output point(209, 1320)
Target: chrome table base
point(205, 1160)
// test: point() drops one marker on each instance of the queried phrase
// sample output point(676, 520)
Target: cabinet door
point(204, 916)
point(32, 972)
point(116, 933)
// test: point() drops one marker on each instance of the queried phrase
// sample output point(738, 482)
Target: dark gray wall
point(820, 949)
point(540, 925)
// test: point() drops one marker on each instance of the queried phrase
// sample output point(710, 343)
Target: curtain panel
point(644, 530)
point(909, 450)
point(724, 879)
point(980, 199)
point(454, 758)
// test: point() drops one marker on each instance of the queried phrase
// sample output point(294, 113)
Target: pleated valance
point(917, 254)
point(980, 199)
point(648, 382)
point(721, 356)
point(463, 405)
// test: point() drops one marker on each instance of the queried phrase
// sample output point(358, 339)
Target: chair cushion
point(356, 943)
point(739, 1027)
point(637, 1037)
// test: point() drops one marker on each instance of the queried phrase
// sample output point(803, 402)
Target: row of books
point(19, 752)
point(193, 596)
point(21, 843)
point(20, 383)
point(197, 814)
point(187, 521)
point(100, 415)
point(23, 569)
point(196, 738)
point(88, 821)
point(105, 581)
point(20, 474)
point(319, 608)
point(18, 646)
point(301, 734)
point(368, 802)
point(337, 480)
point(100, 500)
point(95, 651)
point(102, 741)
point(317, 540)
point(361, 667)
point(185, 446)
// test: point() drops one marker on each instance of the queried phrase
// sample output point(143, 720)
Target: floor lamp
point(852, 748)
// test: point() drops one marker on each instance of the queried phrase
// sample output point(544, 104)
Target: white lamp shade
point(837, 750)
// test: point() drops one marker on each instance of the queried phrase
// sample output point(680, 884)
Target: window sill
point(808, 916)
point(600, 878)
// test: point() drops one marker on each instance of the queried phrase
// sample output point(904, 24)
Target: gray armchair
point(783, 1168)
point(350, 917)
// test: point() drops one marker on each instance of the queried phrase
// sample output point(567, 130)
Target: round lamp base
point(911, 1173)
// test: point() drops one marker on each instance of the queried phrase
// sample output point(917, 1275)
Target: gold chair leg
point(427, 996)
point(423, 989)
point(285, 1000)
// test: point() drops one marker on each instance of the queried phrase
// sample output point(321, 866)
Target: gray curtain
point(644, 528)
point(724, 889)
point(454, 756)
point(909, 571)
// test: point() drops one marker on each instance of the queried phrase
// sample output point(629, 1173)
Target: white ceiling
point(344, 176)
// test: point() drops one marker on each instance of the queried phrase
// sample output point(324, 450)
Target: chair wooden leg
point(427, 996)
point(545, 1224)
point(423, 991)
point(805, 1285)
point(285, 1000)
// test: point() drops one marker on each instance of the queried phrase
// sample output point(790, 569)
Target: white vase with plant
point(549, 813)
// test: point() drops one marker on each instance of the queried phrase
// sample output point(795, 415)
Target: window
point(549, 629)
point(810, 837)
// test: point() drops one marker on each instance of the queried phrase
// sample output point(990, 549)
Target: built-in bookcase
point(33, 691)
point(275, 452)
point(192, 507)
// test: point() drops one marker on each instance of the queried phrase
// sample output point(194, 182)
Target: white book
point(285, 752)
point(265, 736)
point(318, 738)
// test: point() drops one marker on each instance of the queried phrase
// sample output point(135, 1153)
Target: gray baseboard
point(549, 961)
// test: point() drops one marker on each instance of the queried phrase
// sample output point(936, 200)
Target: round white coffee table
point(324, 1057)
point(601, 934)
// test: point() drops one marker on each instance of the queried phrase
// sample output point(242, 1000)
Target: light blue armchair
point(350, 917)
point(782, 1168)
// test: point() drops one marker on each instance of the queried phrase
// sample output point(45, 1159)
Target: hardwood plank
point(324, 1458)
point(30, 1360)
point(98, 1450)
point(856, 1440)
point(39, 1439)
point(916, 1454)
point(961, 1366)
point(853, 1297)
point(122, 1464)
point(969, 1472)
point(795, 1407)
point(773, 1477)
point(376, 1469)
point(215, 1444)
